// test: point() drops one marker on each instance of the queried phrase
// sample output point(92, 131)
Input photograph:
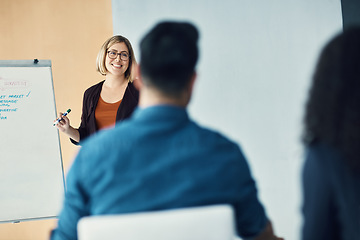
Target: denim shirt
point(159, 159)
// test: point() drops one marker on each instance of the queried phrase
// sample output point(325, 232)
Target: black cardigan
point(90, 100)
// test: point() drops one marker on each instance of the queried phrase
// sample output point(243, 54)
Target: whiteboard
point(31, 170)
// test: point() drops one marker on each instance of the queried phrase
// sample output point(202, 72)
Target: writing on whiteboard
point(13, 92)
point(8, 83)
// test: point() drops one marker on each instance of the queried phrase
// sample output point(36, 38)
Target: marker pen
point(59, 119)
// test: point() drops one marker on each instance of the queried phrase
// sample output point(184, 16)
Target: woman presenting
point(111, 100)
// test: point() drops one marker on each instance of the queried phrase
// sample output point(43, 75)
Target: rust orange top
point(105, 113)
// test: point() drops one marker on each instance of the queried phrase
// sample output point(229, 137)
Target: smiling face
point(117, 66)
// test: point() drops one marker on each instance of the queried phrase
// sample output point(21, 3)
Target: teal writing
point(16, 96)
point(8, 110)
point(8, 101)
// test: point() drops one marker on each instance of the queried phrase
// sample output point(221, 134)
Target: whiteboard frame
point(37, 63)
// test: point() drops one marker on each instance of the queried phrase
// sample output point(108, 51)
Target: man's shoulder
point(130, 130)
point(213, 140)
point(211, 134)
point(98, 146)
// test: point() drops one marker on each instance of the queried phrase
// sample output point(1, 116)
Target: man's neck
point(150, 97)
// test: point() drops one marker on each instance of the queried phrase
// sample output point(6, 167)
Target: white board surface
point(31, 171)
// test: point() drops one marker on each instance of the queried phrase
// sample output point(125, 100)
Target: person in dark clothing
point(331, 173)
point(111, 100)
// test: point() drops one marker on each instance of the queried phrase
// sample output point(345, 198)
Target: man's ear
point(192, 82)
point(137, 78)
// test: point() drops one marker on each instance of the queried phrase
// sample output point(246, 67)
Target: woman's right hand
point(64, 124)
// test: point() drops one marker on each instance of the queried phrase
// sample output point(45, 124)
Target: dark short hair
point(333, 108)
point(168, 55)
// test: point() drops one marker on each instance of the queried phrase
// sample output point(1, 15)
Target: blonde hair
point(100, 60)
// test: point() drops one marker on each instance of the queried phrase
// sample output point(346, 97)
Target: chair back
point(197, 223)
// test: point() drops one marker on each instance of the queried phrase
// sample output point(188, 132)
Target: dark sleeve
point(318, 208)
point(84, 128)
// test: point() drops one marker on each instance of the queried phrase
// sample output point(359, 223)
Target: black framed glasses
point(123, 55)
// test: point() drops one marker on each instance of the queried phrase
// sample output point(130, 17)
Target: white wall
point(257, 59)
